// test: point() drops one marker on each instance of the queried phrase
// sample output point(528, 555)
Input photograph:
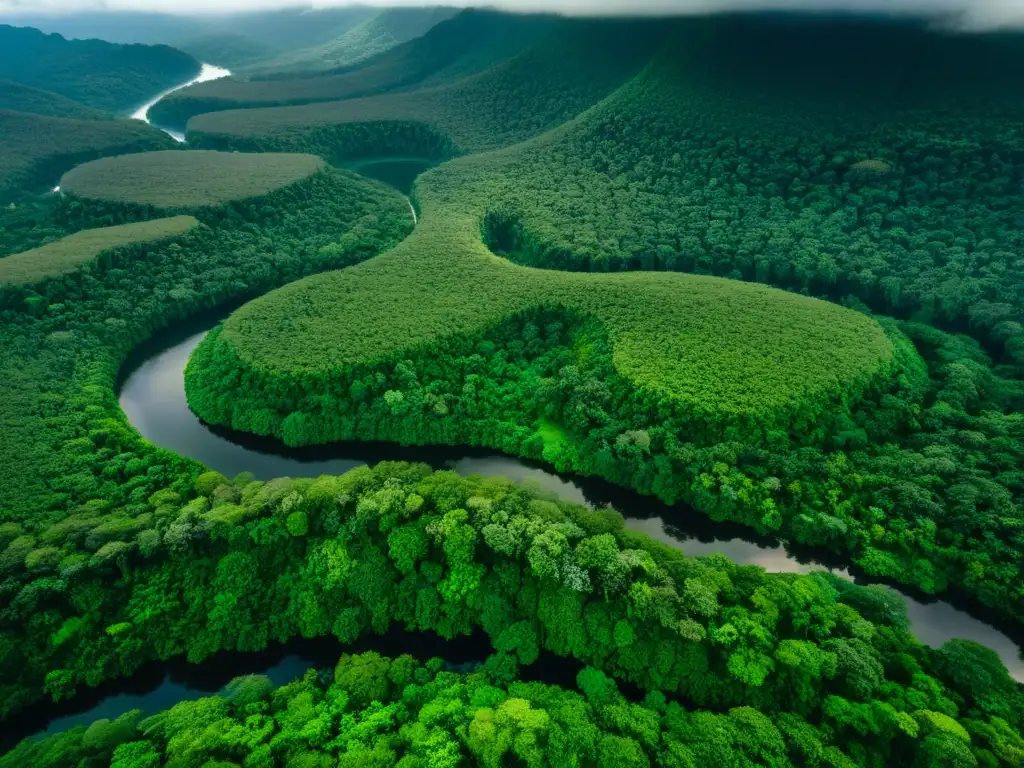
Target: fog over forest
point(983, 13)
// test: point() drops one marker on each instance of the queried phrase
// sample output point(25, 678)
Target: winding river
point(152, 395)
point(206, 73)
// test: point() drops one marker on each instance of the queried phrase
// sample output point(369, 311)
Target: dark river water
point(399, 172)
point(161, 685)
point(153, 397)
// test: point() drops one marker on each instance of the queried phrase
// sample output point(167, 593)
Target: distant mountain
point(98, 74)
point(234, 40)
point(470, 42)
point(114, 27)
point(381, 32)
point(25, 98)
point(227, 49)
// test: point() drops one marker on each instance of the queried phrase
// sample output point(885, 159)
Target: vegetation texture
point(544, 84)
point(116, 78)
point(469, 43)
point(374, 35)
point(690, 263)
point(73, 251)
point(738, 665)
point(187, 179)
point(24, 98)
point(918, 482)
point(35, 150)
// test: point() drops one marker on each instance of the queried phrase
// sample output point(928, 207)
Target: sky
point(974, 12)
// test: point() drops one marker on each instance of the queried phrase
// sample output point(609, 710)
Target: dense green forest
point(116, 78)
point(58, 100)
point(187, 180)
point(919, 482)
point(65, 255)
point(540, 87)
point(467, 44)
point(666, 253)
point(35, 150)
point(24, 98)
point(380, 32)
point(745, 666)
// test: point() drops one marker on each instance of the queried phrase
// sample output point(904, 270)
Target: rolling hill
point(571, 66)
point(116, 78)
point(378, 33)
point(264, 41)
point(36, 150)
point(75, 251)
point(763, 269)
point(469, 43)
point(24, 98)
point(882, 177)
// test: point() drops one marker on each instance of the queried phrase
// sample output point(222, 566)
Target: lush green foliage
point(710, 350)
point(70, 253)
point(187, 179)
point(847, 180)
point(116, 78)
point(921, 482)
point(379, 33)
point(24, 98)
point(469, 43)
point(572, 67)
point(63, 341)
point(35, 150)
point(380, 712)
point(894, 444)
point(824, 672)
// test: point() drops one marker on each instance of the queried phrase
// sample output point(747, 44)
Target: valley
point(601, 391)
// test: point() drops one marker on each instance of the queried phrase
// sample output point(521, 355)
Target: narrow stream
point(152, 395)
point(160, 685)
point(207, 73)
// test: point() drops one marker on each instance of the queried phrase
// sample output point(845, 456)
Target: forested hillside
point(759, 268)
point(35, 150)
point(24, 98)
point(116, 78)
point(469, 43)
point(734, 665)
point(643, 170)
point(379, 33)
point(570, 67)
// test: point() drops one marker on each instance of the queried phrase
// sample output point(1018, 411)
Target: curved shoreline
point(151, 393)
point(207, 72)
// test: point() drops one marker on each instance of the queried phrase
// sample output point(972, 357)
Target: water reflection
point(153, 397)
point(160, 685)
point(398, 172)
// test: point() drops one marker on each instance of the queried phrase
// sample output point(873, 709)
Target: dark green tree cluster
point(837, 180)
point(36, 150)
point(760, 669)
point(64, 339)
point(24, 98)
point(891, 177)
point(115, 78)
point(469, 43)
point(380, 712)
point(574, 65)
point(893, 485)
